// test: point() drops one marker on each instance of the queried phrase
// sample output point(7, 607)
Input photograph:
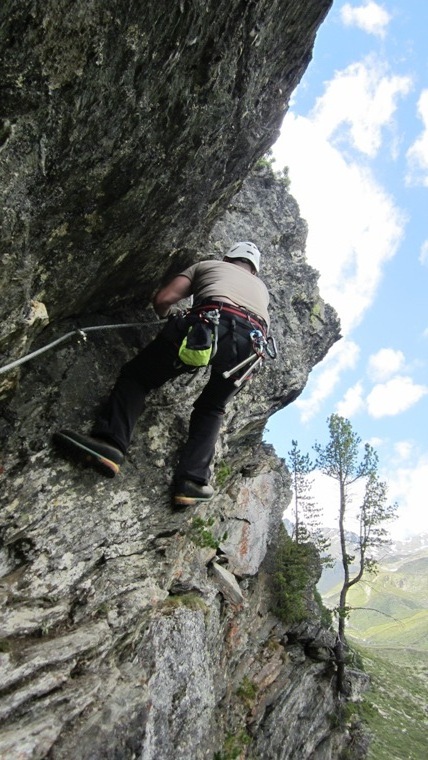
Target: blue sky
point(355, 140)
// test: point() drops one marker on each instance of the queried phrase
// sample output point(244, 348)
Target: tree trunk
point(340, 646)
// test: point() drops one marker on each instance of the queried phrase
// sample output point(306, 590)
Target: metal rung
point(239, 382)
point(239, 366)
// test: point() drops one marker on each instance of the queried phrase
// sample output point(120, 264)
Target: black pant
point(158, 363)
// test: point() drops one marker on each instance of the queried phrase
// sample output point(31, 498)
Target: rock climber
point(230, 305)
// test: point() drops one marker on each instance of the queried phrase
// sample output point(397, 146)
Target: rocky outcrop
point(128, 629)
point(125, 129)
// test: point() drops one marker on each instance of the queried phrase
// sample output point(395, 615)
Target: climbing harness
point(261, 346)
point(81, 332)
point(199, 346)
point(253, 320)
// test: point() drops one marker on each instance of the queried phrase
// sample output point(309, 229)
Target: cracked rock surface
point(125, 130)
point(127, 628)
point(129, 134)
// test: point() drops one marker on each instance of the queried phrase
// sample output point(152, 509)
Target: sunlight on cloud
point(417, 154)
point(408, 486)
point(376, 442)
point(404, 449)
point(385, 363)
point(328, 499)
point(344, 355)
point(423, 256)
point(363, 99)
point(352, 402)
point(395, 396)
point(370, 17)
point(354, 226)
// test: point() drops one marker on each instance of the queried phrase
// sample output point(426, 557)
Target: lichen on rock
point(129, 136)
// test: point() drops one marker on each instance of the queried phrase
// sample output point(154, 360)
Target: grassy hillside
point(411, 632)
point(390, 609)
point(390, 632)
point(395, 707)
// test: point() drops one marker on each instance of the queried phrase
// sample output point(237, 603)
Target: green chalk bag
point(197, 347)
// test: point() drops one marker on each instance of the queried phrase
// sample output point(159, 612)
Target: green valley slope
point(390, 609)
point(388, 628)
point(395, 707)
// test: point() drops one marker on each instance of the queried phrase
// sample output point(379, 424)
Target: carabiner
point(270, 346)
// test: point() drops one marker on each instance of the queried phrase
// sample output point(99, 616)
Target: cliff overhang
point(130, 134)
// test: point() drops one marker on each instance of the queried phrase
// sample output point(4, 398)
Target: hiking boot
point(187, 492)
point(95, 452)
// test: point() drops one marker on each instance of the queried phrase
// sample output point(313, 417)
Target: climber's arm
point(180, 287)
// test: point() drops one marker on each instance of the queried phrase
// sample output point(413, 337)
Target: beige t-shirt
point(221, 279)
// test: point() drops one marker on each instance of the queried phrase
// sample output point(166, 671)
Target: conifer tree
point(340, 459)
point(307, 514)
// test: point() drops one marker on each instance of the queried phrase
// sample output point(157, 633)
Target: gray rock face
point(125, 129)
point(127, 629)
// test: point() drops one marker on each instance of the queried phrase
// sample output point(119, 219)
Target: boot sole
point(78, 451)
point(188, 501)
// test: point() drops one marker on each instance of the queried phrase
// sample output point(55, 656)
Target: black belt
point(246, 316)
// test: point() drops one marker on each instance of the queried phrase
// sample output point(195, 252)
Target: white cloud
point(417, 154)
point(354, 226)
point(344, 355)
point(352, 402)
point(376, 442)
point(370, 17)
point(408, 486)
point(395, 396)
point(404, 449)
point(385, 363)
point(327, 495)
point(423, 256)
point(358, 103)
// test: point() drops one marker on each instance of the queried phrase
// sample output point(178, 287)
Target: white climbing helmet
point(245, 250)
